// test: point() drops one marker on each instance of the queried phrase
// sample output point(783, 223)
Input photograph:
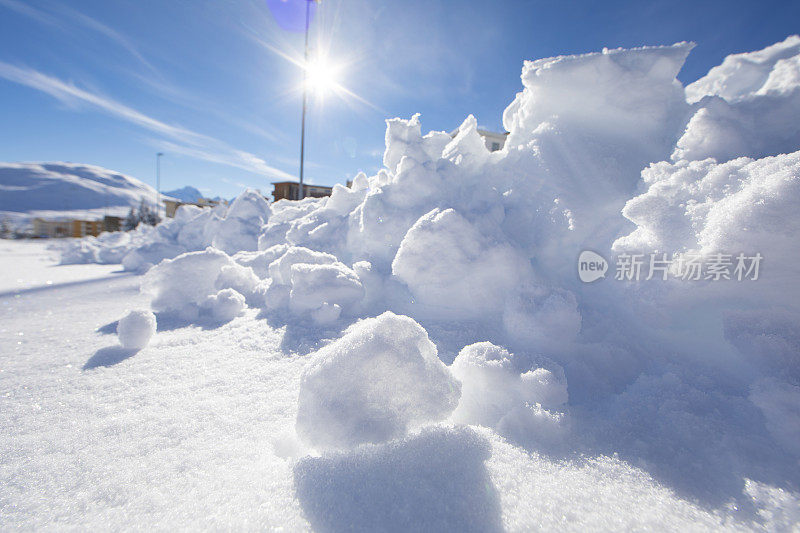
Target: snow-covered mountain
point(185, 194)
point(189, 194)
point(67, 190)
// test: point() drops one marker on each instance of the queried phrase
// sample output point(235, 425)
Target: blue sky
point(208, 81)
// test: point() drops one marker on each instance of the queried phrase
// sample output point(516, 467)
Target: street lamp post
point(158, 183)
point(305, 89)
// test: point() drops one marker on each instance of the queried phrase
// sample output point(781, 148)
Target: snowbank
point(604, 153)
point(231, 228)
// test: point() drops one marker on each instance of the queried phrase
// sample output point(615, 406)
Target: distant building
point(287, 190)
point(52, 228)
point(66, 227)
point(112, 224)
point(82, 228)
point(494, 141)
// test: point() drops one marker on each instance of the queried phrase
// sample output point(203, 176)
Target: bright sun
point(321, 75)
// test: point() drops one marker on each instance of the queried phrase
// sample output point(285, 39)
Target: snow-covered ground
point(196, 430)
point(429, 349)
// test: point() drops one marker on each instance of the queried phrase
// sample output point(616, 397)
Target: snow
point(135, 329)
point(417, 352)
point(747, 106)
point(434, 481)
point(496, 394)
point(743, 74)
point(187, 284)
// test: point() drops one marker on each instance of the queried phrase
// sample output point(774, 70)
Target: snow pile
point(375, 383)
point(229, 228)
point(241, 225)
point(135, 329)
point(311, 283)
point(604, 153)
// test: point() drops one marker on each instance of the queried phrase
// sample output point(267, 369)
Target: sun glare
point(321, 75)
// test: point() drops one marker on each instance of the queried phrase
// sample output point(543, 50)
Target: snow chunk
point(241, 227)
point(280, 270)
point(467, 148)
point(135, 329)
point(316, 285)
point(404, 139)
point(495, 394)
point(454, 270)
point(260, 261)
point(182, 285)
point(741, 75)
point(380, 379)
point(226, 305)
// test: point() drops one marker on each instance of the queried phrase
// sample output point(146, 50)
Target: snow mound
point(380, 379)
point(135, 329)
point(231, 228)
point(604, 153)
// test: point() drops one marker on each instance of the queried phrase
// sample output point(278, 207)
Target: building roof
point(304, 184)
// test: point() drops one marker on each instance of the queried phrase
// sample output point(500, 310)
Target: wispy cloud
point(184, 141)
point(109, 32)
point(31, 12)
point(67, 19)
point(59, 21)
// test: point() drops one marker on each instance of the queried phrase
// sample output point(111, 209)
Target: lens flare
point(321, 76)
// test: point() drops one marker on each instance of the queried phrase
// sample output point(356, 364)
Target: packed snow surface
point(418, 351)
